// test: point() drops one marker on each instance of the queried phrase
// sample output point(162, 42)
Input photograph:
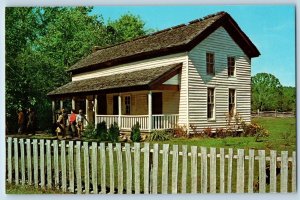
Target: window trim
point(213, 63)
point(214, 104)
point(234, 71)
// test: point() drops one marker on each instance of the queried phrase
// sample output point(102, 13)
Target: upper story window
point(231, 66)
point(210, 103)
point(210, 63)
point(231, 100)
point(127, 105)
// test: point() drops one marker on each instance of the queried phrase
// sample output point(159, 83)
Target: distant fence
point(272, 114)
point(127, 168)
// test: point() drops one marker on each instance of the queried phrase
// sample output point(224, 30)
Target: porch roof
point(123, 82)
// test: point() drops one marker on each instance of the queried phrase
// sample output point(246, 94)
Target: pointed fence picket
point(76, 168)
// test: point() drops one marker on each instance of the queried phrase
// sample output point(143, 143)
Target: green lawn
point(282, 137)
point(28, 189)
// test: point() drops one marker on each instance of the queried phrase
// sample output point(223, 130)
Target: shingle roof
point(140, 80)
point(172, 40)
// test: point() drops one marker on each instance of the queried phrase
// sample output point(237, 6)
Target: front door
point(102, 104)
point(115, 105)
point(157, 103)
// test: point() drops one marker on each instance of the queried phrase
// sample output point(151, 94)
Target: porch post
point(150, 110)
point(53, 111)
point(61, 102)
point(87, 109)
point(120, 110)
point(73, 103)
point(96, 109)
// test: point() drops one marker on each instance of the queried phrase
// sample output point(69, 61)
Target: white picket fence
point(82, 167)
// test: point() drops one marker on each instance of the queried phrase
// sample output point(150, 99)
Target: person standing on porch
point(79, 121)
point(20, 121)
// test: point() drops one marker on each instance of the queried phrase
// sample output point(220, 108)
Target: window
point(127, 105)
point(210, 103)
point(210, 62)
point(231, 66)
point(231, 100)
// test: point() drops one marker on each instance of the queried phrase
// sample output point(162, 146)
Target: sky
point(270, 27)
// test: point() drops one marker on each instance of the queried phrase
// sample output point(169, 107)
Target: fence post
point(137, 167)
point(28, 155)
point(9, 159)
point(294, 175)
point(56, 165)
point(203, 170)
point(175, 169)
point(184, 169)
point(120, 168)
point(111, 168)
point(229, 174)
point(213, 170)
point(103, 168)
point(222, 170)
point(35, 163)
point(71, 166)
point(42, 163)
point(95, 167)
point(128, 168)
point(240, 172)
point(194, 169)
point(78, 167)
point(63, 166)
point(262, 171)
point(155, 168)
point(49, 167)
point(165, 169)
point(284, 172)
point(146, 168)
point(16, 158)
point(273, 166)
point(251, 170)
point(86, 159)
point(22, 161)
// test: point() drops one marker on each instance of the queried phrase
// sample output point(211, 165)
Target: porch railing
point(164, 121)
point(109, 119)
point(127, 121)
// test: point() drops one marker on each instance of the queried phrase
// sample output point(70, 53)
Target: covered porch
point(149, 97)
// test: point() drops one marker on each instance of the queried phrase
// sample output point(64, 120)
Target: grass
point(282, 137)
point(29, 189)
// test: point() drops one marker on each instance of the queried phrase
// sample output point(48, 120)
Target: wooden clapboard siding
point(130, 67)
point(222, 45)
point(171, 102)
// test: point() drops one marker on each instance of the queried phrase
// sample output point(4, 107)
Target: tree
point(125, 28)
point(41, 43)
point(266, 92)
point(288, 102)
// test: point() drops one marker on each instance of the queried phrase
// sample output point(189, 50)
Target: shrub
point(208, 132)
point(135, 133)
point(196, 132)
point(102, 131)
point(221, 132)
point(90, 132)
point(159, 135)
point(180, 131)
point(113, 132)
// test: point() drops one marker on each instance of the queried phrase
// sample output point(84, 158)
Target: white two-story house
point(192, 74)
